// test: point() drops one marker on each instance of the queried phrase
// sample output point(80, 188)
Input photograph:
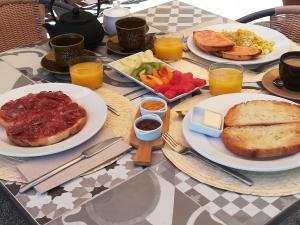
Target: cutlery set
point(88, 153)
point(189, 151)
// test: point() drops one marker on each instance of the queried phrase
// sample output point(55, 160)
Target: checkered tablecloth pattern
point(176, 16)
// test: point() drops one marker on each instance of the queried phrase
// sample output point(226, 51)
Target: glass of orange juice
point(87, 71)
point(225, 78)
point(168, 47)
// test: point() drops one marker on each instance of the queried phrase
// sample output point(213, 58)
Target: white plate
point(149, 88)
point(214, 149)
point(94, 105)
point(281, 43)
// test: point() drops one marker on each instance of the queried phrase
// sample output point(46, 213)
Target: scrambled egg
point(249, 39)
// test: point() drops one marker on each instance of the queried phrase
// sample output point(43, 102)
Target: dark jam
point(148, 124)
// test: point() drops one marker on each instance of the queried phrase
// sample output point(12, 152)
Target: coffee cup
point(67, 47)
point(131, 32)
point(289, 70)
point(110, 16)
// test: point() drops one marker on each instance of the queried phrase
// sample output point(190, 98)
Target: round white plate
point(281, 43)
point(214, 149)
point(94, 105)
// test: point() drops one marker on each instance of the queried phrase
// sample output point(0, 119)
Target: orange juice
point(168, 48)
point(225, 80)
point(87, 74)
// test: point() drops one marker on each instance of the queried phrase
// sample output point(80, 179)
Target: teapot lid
point(116, 11)
point(77, 17)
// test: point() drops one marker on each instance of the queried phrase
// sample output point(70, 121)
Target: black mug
point(131, 32)
point(289, 70)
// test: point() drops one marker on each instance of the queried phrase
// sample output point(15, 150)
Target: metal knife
point(95, 149)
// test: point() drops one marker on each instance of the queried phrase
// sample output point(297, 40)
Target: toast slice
point(211, 41)
point(262, 112)
point(239, 53)
point(263, 141)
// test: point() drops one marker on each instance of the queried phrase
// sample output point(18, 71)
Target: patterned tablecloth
point(122, 193)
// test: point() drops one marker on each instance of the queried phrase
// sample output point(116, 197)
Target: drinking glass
point(168, 47)
point(225, 78)
point(87, 71)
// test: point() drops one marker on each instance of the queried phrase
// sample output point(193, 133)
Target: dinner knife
point(93, 150)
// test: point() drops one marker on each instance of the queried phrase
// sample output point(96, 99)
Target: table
point(121, 192)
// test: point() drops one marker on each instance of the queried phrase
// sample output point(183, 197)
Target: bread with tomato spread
point(42, 119)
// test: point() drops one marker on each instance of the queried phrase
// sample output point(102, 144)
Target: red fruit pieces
point(170, 94)
point(163, 88)
point(199, 82)
point(176, 77)
point(186, 77)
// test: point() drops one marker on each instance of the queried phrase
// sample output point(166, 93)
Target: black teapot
point(80, 22)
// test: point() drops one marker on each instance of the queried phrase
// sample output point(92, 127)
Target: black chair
point(285, 19)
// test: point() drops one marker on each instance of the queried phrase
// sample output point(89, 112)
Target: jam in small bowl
point(148, 127)
point(153, 105)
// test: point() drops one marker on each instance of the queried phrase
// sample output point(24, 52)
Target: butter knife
point(95, 149)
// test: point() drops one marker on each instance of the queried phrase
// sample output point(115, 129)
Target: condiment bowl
point(148, 134)
point(151, 107)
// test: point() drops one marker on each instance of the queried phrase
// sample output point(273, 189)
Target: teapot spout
point(49, 29)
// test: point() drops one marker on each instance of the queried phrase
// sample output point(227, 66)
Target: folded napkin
point(39, 166)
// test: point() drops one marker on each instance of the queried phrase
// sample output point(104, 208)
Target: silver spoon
point(278, 82)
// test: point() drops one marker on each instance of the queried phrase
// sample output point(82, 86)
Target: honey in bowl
point(153, 105)
point(225, 79)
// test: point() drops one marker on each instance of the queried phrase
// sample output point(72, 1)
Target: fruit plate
point(114, 66)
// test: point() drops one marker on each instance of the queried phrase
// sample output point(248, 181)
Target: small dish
point(48, 63)
point(206, 122)
point(267, 82)
point(113, 46)
point(148, 127)
point(153, 102)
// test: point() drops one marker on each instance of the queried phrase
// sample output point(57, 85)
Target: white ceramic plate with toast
point(214, 149)
point(93, 104)
point(281, 46)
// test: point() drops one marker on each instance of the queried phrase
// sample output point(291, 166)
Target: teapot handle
point(54, 18)
point(51, 10)
point(98, 8)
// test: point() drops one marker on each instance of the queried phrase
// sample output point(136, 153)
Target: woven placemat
point(265, 184)
point(120, 125)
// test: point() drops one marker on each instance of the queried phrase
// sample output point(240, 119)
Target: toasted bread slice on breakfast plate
point(211, 41)
point(239, 53)
point(262, 112)
point(263, 141)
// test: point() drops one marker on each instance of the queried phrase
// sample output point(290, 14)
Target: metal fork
point(186, 150)
point(259, 69)
point(113, 110)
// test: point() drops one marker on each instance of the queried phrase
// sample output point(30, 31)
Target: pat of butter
point(206, 122)
point(212, 119)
